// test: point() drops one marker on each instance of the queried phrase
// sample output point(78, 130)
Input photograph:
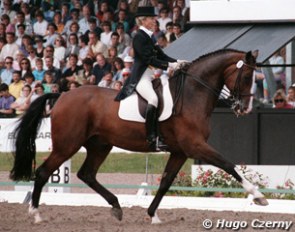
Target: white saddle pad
point(129, 110)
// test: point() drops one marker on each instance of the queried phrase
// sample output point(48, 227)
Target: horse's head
point(241, 81)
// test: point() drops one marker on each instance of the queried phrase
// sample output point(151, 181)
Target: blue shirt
point(38, 75)
point(5, 102)
point(6, 76)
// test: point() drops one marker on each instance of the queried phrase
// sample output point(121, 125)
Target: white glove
point(183, 62)
point(174, 66)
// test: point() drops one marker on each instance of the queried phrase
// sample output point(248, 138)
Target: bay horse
point(88, 117)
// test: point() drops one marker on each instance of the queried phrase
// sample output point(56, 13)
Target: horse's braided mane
point(221, 51)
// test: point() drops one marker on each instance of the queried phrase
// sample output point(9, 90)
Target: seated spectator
point(92, 22)
point(40, 26)
point(10, 48)
point(51, 34)
point(74, 19)
point(73, 85)
point(16, 65)
point(280, 100)
point(57, 21)
point(115, 43)
point(60, 49)
point(74, 29)
point(32, 56)
point(96, 46)
point(122, 19)
point(39, 46)
point(5, 19)
point(178, 17)
point(29, 80)
point(20, 19)
point(16, 86)
point(84, 75)
point(49, 51)
point(128, 62)
point(71, 73)
point(117, 85)
point(6, 100)
point(107, 80)
point(55, 71)
point(84, 48)
point(176, 32)
point(164, 18)
point(7, 72)
point(169, 31)
point(157, 32)
point(39, 71)
point(100, 69)
point(162, 41)
point(83, 22)
point(125, 38)
point(35, 93)
point(21, 103)
point(291, 96)
point(8, 9)
point(25, 67)
point(48, 82)
point(117, 67)
point(105, 36)
point(73, 45)
point(125, 74)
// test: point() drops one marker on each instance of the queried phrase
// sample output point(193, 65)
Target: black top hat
point(145, 11)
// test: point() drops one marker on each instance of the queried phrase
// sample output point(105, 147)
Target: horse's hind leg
point(42, 175)
point(96, 154)
point(210, 156)
point(173, 166)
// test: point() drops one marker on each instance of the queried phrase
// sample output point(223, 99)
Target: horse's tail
point(24, 139)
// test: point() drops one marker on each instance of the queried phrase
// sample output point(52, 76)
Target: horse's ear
point(251, 54)
point(255, 53)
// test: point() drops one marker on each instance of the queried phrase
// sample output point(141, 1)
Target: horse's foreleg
point(96, 154)
point(210, 156)
point(173, 166)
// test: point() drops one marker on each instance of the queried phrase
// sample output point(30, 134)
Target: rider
point(147, 57)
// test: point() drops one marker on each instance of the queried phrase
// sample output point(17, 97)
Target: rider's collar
point(150, 33)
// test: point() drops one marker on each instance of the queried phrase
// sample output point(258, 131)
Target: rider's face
point(149, 22)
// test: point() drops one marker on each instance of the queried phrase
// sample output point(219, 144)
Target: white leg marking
point(250, 188)
point(156, 219)
point(35, 212)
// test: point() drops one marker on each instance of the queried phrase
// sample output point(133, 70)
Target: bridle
point(235, 96)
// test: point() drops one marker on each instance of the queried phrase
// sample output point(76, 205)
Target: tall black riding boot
point(151, 124)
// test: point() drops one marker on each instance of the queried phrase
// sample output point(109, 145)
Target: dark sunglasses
point(8, 62)
point(279, 100)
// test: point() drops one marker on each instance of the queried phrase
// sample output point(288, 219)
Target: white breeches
point(145, 87)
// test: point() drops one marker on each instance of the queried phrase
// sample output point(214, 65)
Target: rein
point(235, 97)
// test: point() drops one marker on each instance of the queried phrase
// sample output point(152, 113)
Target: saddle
point(133, 108)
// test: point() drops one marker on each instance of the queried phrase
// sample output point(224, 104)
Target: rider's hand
point(174, 65)
point(183, 62)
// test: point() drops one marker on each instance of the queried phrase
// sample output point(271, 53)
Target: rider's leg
point(145, 89)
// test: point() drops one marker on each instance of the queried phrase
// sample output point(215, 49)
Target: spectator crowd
point(56, 46)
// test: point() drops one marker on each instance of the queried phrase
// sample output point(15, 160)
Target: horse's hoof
point(156, 219)
point(260, 201)
point(117, 213)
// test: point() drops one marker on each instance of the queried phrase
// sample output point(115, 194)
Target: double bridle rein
point(235, 97)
